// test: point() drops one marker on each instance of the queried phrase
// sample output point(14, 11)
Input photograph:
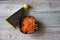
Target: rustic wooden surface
point(47, 13)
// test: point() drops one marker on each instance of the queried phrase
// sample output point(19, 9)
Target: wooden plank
point(52, 19)
point(11, 34)
point(37, 5)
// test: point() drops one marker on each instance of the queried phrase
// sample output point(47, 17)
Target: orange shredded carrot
point(28, 24)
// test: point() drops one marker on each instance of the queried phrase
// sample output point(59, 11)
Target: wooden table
point(47, 13)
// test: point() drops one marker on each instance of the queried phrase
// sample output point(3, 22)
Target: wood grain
point(46, 12)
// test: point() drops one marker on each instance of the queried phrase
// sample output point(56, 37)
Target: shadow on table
point(40, 31)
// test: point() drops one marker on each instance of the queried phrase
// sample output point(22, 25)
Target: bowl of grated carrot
point(28, 24)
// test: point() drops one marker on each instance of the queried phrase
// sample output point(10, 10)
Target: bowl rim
point(21, 24)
